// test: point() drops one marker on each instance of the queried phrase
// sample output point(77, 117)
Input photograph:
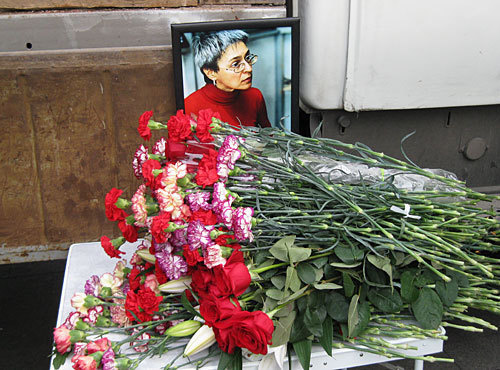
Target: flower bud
point(106, 292)
point(103, 322)
point(176, 286)
point(81, 325)
point(77, 336)
point(123, 363)
point(122, 203)
point(146, 256)
point(201, 340)
point(183, 329)
point(91, 301)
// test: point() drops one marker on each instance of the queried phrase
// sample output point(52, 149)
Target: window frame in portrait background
point(179, 29)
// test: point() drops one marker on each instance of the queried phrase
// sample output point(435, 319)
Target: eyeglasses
point(238, 67)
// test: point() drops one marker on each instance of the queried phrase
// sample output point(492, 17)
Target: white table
point(86, 259)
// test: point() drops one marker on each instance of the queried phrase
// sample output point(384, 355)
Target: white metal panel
point(323, 48)
point(422, 54)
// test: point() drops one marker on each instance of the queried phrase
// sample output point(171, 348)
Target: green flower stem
point(462, 327)
point(270, 267)
point(473, 320)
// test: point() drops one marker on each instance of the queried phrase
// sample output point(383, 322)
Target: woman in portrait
point(226, 63)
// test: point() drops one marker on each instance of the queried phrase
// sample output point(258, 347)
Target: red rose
point(179, 127)
point(207, 171)
point(214, 309)
point(175, 150)
point(150, 179)
point(143, 128)
point(232, 279)
point(203, 125)
point(129, 232)
point(201, 278)
point(191, 257)
point(134, 278)
point(109, 248)
point(113, 213)
point(158, 226)
point(250, 330)
point(206, 217)
point(160, 275)
point(142, 304)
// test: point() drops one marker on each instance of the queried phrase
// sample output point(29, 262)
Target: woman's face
point(226, 78)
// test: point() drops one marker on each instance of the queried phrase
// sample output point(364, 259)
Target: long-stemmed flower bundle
point(258, 238)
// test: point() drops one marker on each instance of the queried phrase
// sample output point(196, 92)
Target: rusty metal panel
point(21, 219)
point(69, 130)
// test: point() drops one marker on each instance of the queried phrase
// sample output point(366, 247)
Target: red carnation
point(207, 171)
point(129, 232)
point(134, 278)
point(150, 179)
point(207, 217)
point(203, 125)
point(175, 150)
point(158, 226)
point(109, 248)
point(143, 128)
point(113, 213)
point(142, 304)
point(160, 275)
point(191, 257)
point(179, 127)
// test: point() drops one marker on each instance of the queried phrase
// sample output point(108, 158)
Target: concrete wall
point(68, 132)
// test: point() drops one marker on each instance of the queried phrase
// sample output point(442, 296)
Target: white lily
point(146, 256)
point(201, 340)
point(176, 286)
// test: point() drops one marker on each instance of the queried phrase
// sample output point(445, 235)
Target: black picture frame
point(286, 89)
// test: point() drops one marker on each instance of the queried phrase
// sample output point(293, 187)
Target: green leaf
point(294, 295)
point(363, 319)
point(278, 281)
point(325, 286)
point(448, 292)
point(187, 305)
point(337, 306)
point(283, 328)
point(426, 277)
point(280, 249)
point(344, 265)
point(327, 338)
point(402, 259)
point(428, 309)
point(313, 319)
point(409, 291)
point(230, 361)
point(298, 254)
point(348, 284)
point(461, 279)
point(382, 263)
point(319, 262)
point(274, 294)
point(59, 360)
point(306, 272)
point(349, 254)
point(299, 329)
point(353, 315)
point(269, 304)
point(303, 351)
point(292, 279)
point(386, 299)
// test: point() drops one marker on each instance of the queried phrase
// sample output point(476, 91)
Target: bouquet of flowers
point(252, 241)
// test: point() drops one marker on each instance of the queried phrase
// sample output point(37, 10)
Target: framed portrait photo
point(246, 70)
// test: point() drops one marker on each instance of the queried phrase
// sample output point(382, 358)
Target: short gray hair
point(208, 47)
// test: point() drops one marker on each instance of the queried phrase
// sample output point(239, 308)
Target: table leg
point(419, 365)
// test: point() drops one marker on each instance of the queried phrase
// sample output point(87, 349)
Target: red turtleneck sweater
point(245, 106)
